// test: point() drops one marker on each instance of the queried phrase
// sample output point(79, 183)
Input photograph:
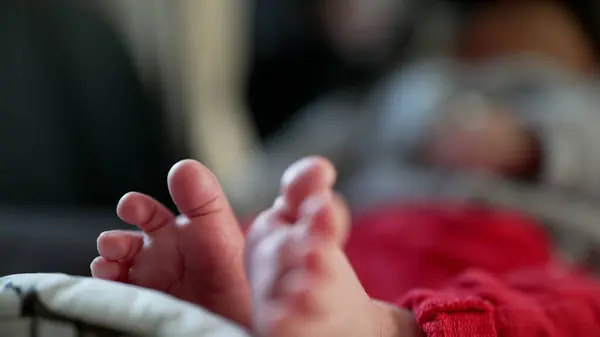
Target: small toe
point(119, 245)
point(108, 270)
point(144, 212)
point(327, 217)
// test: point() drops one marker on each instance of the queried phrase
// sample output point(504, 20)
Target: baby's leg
point(302, 283)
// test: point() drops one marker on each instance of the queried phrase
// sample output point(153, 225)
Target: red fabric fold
point(469, 271)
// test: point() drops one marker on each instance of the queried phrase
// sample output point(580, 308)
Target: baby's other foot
point(302, 283)
point(197, 256)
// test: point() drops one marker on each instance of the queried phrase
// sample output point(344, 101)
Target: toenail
point(296, 169)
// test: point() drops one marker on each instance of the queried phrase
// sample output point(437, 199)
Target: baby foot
point(197, 256)
point(302, 283)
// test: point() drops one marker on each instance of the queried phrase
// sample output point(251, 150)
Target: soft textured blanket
point(56, 305)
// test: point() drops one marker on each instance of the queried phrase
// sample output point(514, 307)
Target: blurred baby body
point(517, 132)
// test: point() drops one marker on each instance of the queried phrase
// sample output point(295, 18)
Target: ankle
point(395, 321)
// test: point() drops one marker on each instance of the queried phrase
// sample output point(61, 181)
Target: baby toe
point(102, 268)
point(119, 245)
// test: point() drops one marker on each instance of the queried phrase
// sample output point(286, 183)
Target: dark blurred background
point(101, 97)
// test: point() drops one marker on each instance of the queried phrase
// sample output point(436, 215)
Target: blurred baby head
point(502, 29)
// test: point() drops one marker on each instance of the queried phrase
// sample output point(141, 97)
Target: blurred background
point(98, 98)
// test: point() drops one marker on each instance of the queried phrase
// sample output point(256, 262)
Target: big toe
point(211, 239)
point(208, 221)
point(207, 216)
point(195, 189)
point(308, 176)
